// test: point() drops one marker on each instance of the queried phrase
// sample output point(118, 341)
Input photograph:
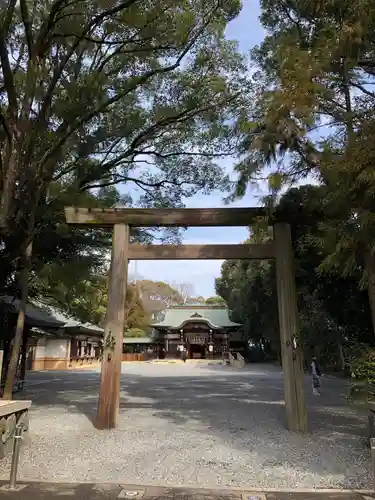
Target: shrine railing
point(232, 359)
point(240, 360)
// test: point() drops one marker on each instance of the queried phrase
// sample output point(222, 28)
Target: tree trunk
point(341, 355)
point(14, 358)
point(9, 182)
point(25, 341)
point(1, 363)
point(370, 269)
point(6, 355)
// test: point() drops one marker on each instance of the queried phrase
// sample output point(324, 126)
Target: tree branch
point(134, 50)
point(59, 70)
point(99, 109)
point(21, 51)
point(148, 133)
point(138, 81)
point(96, 41)
point(367, 65)
point(133, 39)
point(4, 59)
point(363, 89)
point(28, 26)
point(49, 23)
point(4, 124)
point(181, 153)
point(183, 116)
point(138, 182)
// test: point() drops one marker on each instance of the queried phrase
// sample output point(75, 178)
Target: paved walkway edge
point(124, 484)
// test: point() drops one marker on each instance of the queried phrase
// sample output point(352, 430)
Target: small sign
point(131, 494)
point(253, 496)
point(201, 340)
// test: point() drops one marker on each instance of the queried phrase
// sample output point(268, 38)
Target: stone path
point(196, 426)
point(59, 491)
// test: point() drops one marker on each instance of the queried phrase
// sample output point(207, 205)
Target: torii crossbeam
point(280, 249)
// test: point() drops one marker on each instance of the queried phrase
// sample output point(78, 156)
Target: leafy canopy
point(334, 313)
point(96, 92)
point(314, 88)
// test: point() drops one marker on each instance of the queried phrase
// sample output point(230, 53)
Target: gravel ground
point(205, 426)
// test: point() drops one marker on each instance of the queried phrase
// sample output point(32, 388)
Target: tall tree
point(100, 92)
point(249, 289)
point(186, 292)
point(315, 72)
point(156, 296)
point(314, 115)
point(333, 309)
point(89, 91)
point(82, 294)
point(136, 316)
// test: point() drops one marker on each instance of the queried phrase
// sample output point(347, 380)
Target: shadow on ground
point(46, 491)
point(245, 409)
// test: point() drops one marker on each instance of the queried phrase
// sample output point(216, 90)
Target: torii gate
point(120, 220)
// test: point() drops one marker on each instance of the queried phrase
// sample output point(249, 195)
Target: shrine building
point(205, 331)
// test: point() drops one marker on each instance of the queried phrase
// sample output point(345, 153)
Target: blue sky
point(247, 30)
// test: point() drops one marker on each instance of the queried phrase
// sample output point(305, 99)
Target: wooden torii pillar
point(109, 393)
point(291, 353)
point(121, 219)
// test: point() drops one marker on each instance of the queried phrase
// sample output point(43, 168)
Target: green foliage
point(362, 367)
point(135, 332)
point(349, 227)
point(313, 115)
point(84, 297)
point(95, 94)
point(313, 69)
point(156, 296)
point(216, 300)
point(76, 289)
point(334, 312)
point(248, 287)
point(156, 80)
point(136, 316)
point(194, 300)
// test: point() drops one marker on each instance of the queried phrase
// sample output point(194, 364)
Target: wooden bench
point(11, 414)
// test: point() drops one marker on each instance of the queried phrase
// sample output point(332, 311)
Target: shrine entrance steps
point(190, 361)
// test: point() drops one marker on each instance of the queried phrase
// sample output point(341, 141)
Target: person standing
point(316, 374)
point(183, 354)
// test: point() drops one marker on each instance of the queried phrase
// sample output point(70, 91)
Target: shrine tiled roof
point(43, 316)
point(215, 317)
point(35, 316)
